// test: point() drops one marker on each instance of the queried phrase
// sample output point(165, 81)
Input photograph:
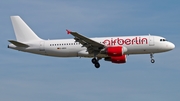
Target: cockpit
point(163, 40)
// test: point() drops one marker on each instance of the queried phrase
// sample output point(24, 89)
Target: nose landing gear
point(152, 60)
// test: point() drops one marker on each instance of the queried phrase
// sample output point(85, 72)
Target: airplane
point(113, 49)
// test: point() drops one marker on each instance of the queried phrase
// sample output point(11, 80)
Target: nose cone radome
point(171, 46)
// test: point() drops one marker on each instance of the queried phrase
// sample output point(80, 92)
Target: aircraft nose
point(171, 46)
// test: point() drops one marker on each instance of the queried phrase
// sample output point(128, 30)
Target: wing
point(92, 46)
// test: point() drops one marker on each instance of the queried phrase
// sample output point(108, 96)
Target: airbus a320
point(113, 49)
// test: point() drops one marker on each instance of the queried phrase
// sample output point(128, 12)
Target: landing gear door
point(41, 47)
point(151, 40)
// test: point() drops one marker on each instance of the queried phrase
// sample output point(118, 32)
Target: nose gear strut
point(151, 56)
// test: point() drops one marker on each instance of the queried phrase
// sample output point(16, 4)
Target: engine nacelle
point(116, 59)
point(116, 51)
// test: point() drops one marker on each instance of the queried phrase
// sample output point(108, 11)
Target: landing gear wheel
point(152, 61)
point(97, 65)
point(94, 61)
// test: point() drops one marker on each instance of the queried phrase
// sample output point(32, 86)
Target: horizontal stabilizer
point(19, 44)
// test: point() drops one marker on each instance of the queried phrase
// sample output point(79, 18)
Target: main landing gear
point(95, 62)
point(152, 60)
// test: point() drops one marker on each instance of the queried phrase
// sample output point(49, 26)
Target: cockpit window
point(163, 40)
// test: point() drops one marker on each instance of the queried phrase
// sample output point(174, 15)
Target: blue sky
point(29, 77)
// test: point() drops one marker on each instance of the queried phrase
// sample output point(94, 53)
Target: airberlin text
point(126, 41)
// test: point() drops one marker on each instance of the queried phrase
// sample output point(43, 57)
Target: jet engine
point(116, 59)
point(116, 51)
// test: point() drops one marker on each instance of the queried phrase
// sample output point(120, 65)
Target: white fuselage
point(69, 48)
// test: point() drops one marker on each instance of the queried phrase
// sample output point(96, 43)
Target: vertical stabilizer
point(22, 31)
